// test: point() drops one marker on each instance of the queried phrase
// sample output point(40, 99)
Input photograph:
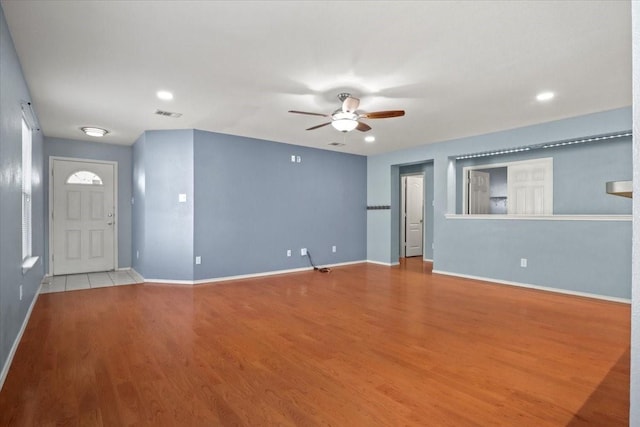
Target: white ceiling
point(458, 68)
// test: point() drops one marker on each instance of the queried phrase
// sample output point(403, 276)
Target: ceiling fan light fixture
point(96, 132)
point(344, 125)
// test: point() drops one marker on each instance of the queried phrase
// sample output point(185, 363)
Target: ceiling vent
point(168, 114)
point(337, 144)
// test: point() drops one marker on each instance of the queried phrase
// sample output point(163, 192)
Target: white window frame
point(28, 260)
point(465, 177)
point(27, 219)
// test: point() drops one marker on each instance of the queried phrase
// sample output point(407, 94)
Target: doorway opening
point(412, 216)
point(417, 236)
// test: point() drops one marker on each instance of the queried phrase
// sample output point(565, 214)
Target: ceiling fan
point(347, 118)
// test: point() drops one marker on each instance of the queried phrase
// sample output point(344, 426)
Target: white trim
point(28, 263)
point(115, 205)
point(545, 217)
point(241, 276)
point(387, 264)
point(427, 260)
point(16, 342)
point(537, 287)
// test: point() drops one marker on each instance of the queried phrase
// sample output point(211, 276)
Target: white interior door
point(83, 216)
point(530, 188)
point(414, 215)
point(479, 199)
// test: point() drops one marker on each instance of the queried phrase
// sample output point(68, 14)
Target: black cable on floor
point(322, 269)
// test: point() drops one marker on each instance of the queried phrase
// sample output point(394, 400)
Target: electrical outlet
point(333, 249)
point(198, 260)
point(298, 159)
point(182, 198)
point(303, 251)
point(20, 292)
point(523, 262)
point(288, 252)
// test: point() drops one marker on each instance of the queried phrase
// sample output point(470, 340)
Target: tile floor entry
point(74, 282)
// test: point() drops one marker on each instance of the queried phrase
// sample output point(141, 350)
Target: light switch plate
point(198, 260)
point(182, 197)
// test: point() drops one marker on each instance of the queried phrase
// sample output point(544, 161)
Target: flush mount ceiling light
point(97, 132)
point(545, 96)
point(369, 138)
point(164, 95)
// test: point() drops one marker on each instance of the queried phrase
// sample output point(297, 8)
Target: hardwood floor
point(364, 345)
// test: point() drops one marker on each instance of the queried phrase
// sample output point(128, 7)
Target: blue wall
point(97, 151)
point(599, 252)
point(163, 161)
point(138, 234)
point(579, 175)
point(253, 203)
point(14, 90)
point(247, 203)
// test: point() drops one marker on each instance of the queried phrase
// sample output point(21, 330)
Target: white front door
point(479, 201)
point(414, 215)
point(83, 216)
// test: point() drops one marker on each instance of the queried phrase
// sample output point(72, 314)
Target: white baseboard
point(427, 260)
point(241, 276)
point(387, 264)
point(16, 342)
point(537, 287)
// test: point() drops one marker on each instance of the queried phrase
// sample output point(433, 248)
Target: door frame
point(115, 205)
point(403, 211)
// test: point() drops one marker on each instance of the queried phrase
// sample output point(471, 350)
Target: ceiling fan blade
point(309, 114)
point(383, 114)
point(319, 126)
point(350, 104)
point(363, 127)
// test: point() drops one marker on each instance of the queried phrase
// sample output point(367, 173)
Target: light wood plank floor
point(364, 345)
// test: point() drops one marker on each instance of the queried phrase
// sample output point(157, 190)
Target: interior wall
point(138, 207)
point(252, 204)
point(166, 159)
point(92, 150)
point(579, 175)
point(13, 310)
point(598, 252)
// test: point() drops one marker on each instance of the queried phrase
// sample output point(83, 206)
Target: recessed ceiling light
point(164, 95)
point(97, 132)
point(369, 138)
point(545, 96)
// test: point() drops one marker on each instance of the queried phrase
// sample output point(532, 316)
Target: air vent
point(168, 114)
point(337, 144)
